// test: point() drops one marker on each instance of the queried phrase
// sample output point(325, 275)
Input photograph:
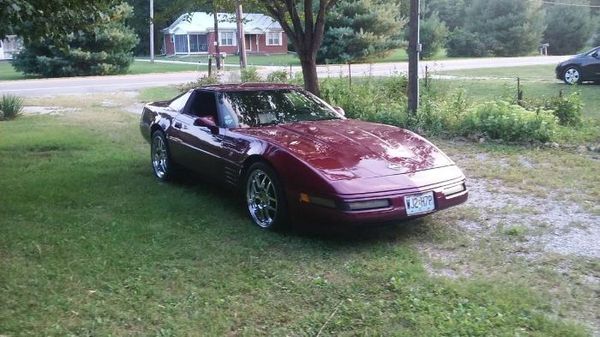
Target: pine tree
point(359, 29)
point(569, 28)
point(100, 48)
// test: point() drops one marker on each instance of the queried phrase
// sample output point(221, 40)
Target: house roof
point(201, 22)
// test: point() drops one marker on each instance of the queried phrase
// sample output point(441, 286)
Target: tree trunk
point(309, 71)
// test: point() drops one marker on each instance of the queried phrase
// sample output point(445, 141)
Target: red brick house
point(193, 34)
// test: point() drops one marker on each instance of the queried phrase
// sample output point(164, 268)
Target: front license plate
point(419, 203)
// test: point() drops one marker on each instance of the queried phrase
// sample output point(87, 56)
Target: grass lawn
point(253, 60)
point(536, 82)
point(7, 72)
point(92, 244)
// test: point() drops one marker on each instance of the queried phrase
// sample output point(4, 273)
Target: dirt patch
point(47, 110)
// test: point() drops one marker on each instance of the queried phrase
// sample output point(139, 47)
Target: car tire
point(160, 157)
point(572, 75)
point(265, 197)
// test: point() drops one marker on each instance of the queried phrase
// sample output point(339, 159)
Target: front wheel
point(265, 197)
point(572, 76)
point(160, 157)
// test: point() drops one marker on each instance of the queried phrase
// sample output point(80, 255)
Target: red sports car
point(296, 157)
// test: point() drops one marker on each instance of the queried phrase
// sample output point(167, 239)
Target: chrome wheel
point(572, 76)
point(262, 199)
point(160, 156)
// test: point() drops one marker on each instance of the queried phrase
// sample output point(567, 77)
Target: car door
point(201, 146)
point(591, 66)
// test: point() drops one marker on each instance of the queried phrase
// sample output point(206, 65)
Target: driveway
point(92, 84)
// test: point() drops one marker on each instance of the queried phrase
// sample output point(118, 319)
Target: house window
point(181, 44)
point(227, 39)
point(198, 43)
point(273, 39)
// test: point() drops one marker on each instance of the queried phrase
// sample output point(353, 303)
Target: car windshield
point(269, 107)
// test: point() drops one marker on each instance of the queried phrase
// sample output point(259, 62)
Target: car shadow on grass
point(397, 231)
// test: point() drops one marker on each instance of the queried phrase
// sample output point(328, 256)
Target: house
point(194, 33)
point(9, 46)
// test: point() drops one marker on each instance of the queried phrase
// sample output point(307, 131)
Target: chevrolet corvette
point(297, 158)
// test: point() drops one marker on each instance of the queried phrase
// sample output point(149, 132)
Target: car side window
point(203, 104)
point(178, 103)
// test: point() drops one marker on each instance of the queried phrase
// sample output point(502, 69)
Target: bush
point(382, 101)
point(568, 108)
point(510, 122)
point(440, 115)
point(250, 74)
point(433, 34)
point(10, 107)
point(200, 82)
point(278, 76)
point(103, 47)
point(464, 43)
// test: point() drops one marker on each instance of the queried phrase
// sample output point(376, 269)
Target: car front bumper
point(396, 211)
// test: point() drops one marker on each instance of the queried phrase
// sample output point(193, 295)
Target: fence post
point(209, 66)
point(349, 75)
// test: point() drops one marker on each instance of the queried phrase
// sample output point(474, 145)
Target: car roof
point(249, 86)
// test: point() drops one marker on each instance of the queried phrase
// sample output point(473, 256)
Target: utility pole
point(217, 50)
point(152, 31)
point(414, 49)
point(241, 37)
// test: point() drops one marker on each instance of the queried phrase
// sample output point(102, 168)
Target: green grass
point(92, 244)
point(536, 82)
point(253, 60)
point(148, 68)
point(7, 72)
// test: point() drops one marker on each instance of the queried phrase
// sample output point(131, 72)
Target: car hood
point(348, 149)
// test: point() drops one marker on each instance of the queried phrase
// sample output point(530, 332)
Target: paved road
point(81, 85)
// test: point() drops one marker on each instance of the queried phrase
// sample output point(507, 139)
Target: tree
point(451, 12)
point(34, 19)
point(433, 35)
point(98, 48)
point(358, 29)
point(569, 28)
point(506, 27)
point(304, 24)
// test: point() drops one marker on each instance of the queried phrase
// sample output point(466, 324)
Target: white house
point(10, 46)
point(194, 34)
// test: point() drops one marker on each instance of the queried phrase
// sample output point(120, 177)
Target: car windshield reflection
point(272, 107)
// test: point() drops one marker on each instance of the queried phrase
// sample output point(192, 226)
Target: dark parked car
point(582, 67)
point(296, 157)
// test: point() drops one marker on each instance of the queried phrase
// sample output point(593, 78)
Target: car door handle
point(177, 125)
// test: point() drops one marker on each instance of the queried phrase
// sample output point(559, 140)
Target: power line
point(569, 4)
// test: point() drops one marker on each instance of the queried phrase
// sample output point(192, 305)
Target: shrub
point(278, 76)
point(10, 107)
point(202, 81)
point(382, 101)
point(250, 74)
point(568, 108)
point(440, 115)
point(433, 34)
point(464, 43)
point(104, 47)
point(510, 122)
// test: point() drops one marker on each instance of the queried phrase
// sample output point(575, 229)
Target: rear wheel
point(265, 197)
point(160, 157)
point(572, 75)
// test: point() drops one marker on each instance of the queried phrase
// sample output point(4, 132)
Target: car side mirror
point(207, 122)
point(339, 110)
point(595, 55)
